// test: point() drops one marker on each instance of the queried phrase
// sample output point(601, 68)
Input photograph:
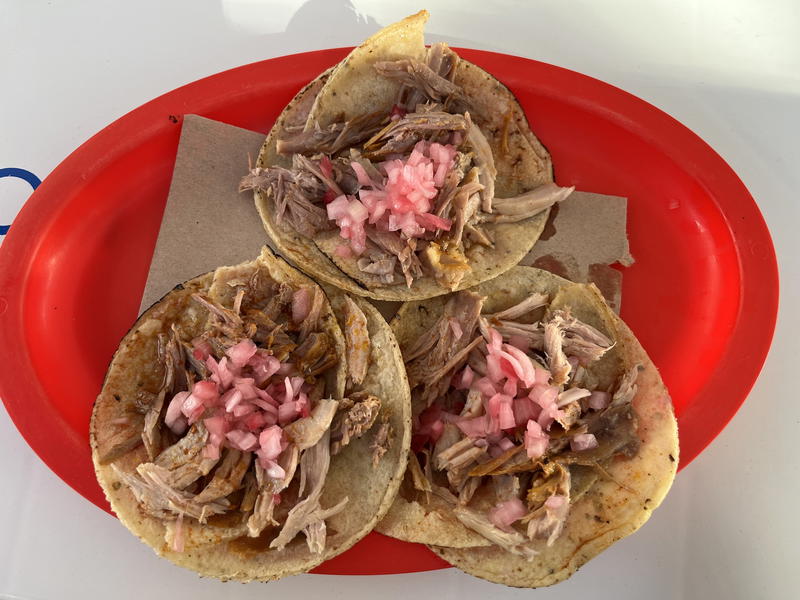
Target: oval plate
point(702, 296)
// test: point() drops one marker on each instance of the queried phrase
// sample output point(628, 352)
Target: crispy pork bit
point(496, 465)
point(354, 422)
point(356, 337)
point(315, 355)
point(448, 264)
point(568, 416)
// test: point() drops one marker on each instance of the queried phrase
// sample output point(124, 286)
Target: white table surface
point(728, 69)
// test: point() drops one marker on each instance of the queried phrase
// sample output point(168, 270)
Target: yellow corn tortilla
point(215, 550)
point(603, 513)
point(353, 87)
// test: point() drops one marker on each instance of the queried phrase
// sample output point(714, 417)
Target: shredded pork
point(410, 191)
point(511, 421)
point(241, 414)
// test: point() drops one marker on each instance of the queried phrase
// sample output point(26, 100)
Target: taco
point(241, 434)
point(403, 172)
point(542, 432)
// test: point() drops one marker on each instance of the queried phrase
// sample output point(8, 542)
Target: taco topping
point(505, 406)
point(409, 192)
point(241, 424)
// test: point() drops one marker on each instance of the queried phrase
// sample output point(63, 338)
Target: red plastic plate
point(702, 295)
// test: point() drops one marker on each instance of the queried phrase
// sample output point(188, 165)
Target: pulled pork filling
point(507, 413)
point(241, 425)
point(409, 192)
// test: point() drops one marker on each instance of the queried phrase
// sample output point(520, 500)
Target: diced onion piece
point(505, 444)
point(270, 442)
point(463, 380)
point(583, 441)
point(473, 428)
point(231, 399)
point(174, 418)
point(241, 353)
point(505, 513)
point(202, 348)
point(241, 440)
point(599, 400)
point(536, 440)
